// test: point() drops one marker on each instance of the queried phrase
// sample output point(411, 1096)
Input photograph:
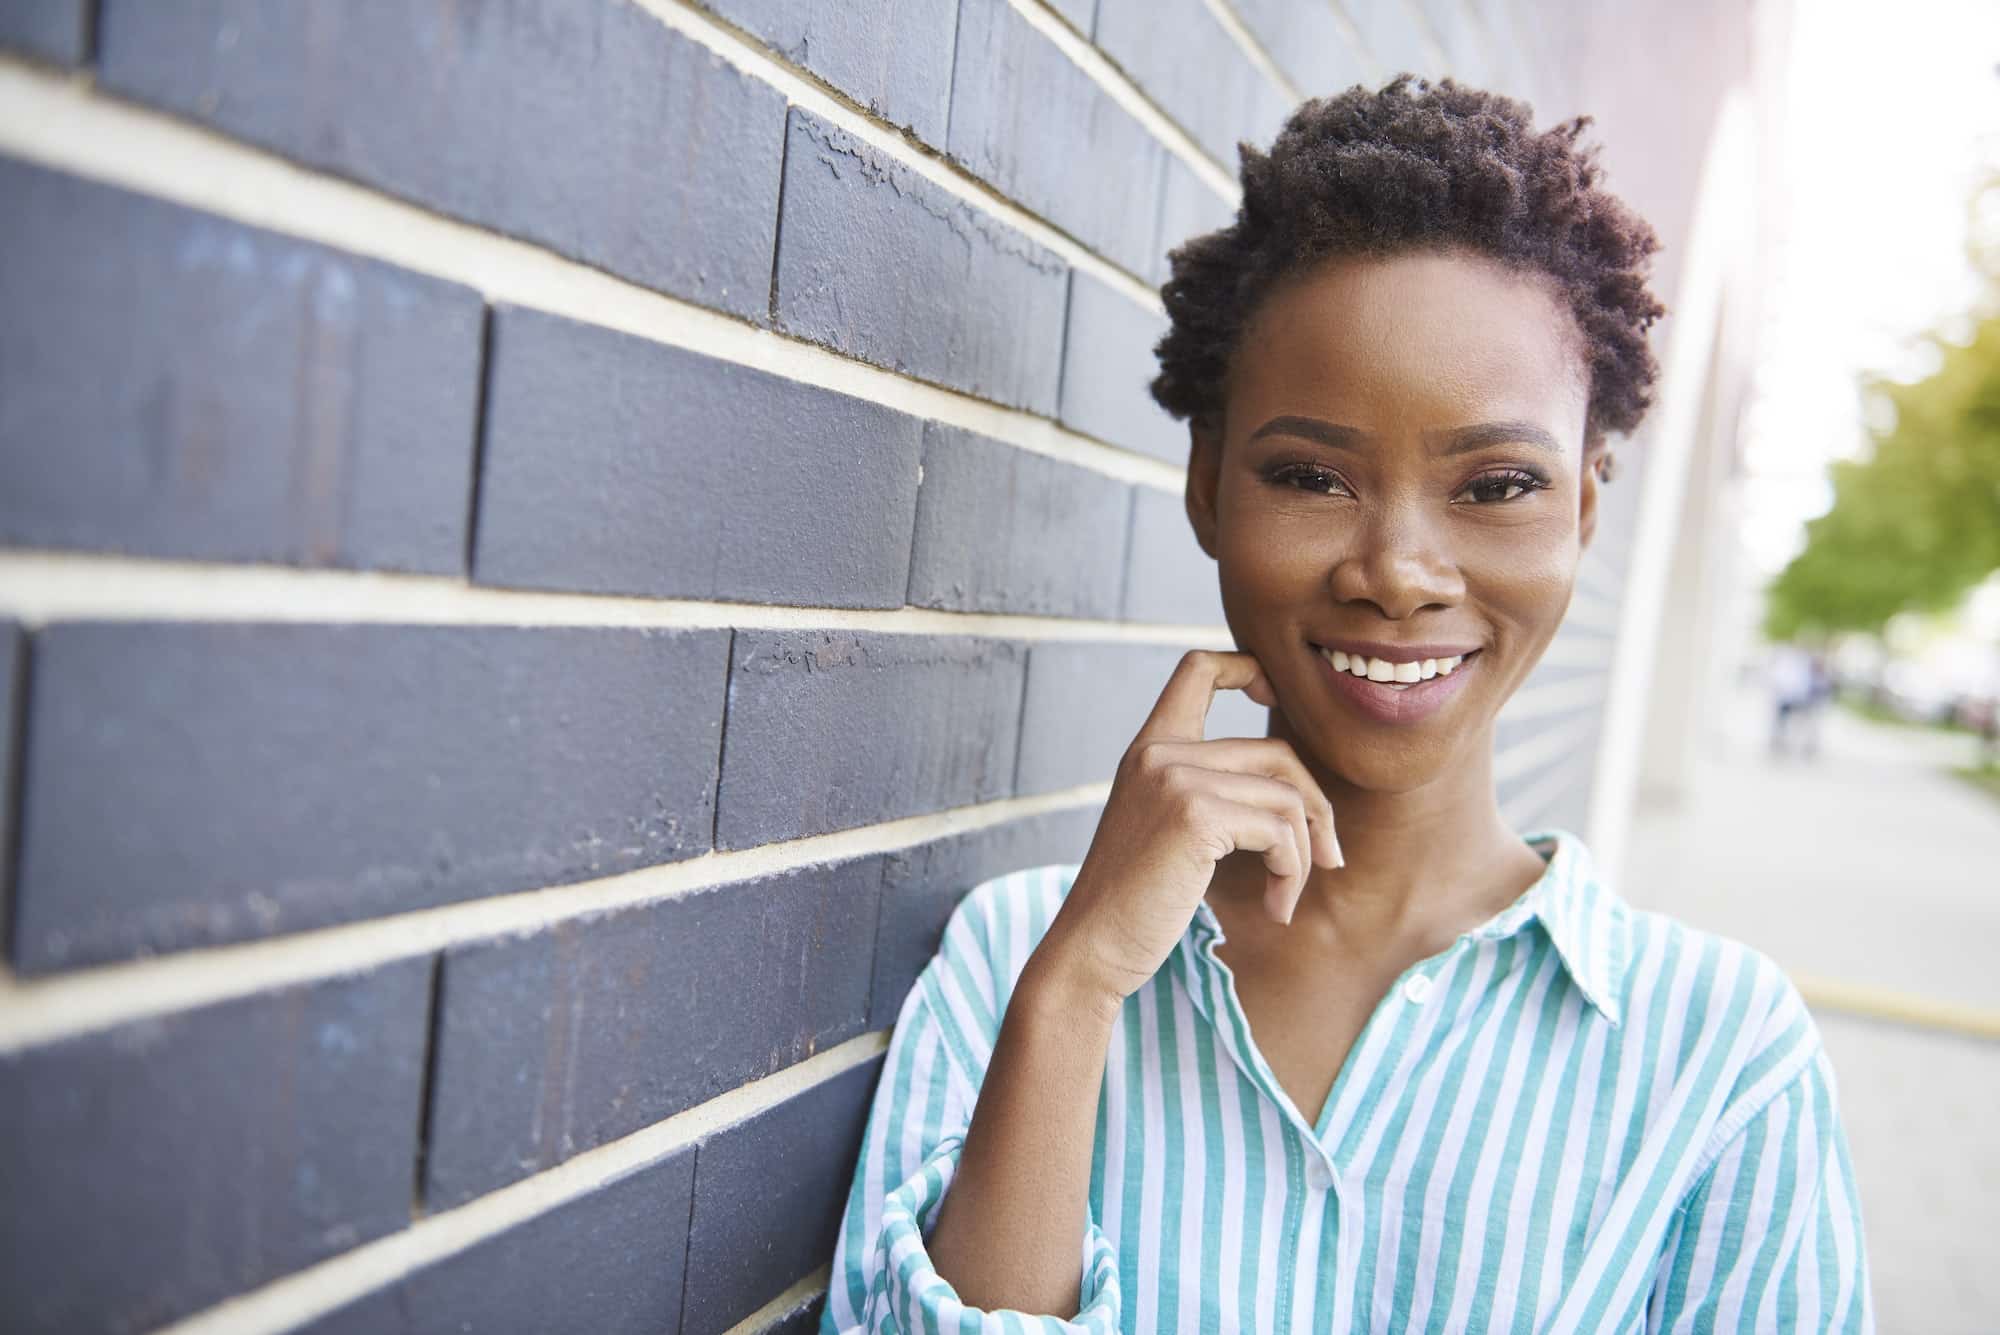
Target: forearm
point(1010, 1231)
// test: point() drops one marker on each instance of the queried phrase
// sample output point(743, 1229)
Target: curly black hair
point(1442, 167)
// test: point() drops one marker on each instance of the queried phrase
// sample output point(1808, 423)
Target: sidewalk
point(1872, 866)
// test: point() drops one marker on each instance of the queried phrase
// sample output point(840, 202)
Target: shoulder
point(1729, 1022)
point(987, 940)
point(1727, 990)
point(999, 922)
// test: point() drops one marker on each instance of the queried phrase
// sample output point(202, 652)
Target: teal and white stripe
point(1584, 1118)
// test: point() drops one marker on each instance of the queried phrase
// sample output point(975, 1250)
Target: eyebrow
point(1455, 441)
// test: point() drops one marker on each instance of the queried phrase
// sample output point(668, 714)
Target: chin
point(1391, 776)
point(1378, 765)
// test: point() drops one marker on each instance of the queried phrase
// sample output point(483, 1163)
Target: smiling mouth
point(1397, 676)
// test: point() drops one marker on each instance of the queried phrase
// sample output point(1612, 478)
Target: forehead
point(1435, 334)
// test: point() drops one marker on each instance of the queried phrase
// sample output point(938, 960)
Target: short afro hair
point(1436, 167)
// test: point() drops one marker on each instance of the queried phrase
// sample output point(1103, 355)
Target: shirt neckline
point(1585, 920)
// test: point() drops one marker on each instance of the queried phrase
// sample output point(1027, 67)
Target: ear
point(1594, 451)
point(1204, 477)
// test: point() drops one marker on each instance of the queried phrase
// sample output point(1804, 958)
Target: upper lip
point(1397, 653)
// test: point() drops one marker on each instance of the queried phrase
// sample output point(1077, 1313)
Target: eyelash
point(1518, 477)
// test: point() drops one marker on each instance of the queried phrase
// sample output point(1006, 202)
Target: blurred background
point(544, 546)
point(1822, 778)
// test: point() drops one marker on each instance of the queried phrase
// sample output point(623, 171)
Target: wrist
point(1059, 986)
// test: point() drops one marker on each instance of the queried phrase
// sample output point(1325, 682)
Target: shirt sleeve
point(882, 1278)
point(1771, 1237)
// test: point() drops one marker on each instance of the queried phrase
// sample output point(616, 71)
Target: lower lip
point(1379, 701)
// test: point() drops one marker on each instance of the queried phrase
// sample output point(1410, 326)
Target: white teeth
point(1401, 674)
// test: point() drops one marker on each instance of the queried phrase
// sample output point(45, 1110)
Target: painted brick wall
point(542, 548)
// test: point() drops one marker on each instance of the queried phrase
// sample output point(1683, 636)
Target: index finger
point(1181, 712)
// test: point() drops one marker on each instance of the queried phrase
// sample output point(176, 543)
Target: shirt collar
point(1588, 923)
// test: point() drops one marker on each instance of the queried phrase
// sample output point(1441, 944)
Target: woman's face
point(1399, 471)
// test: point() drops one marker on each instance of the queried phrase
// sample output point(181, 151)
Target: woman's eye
point(1503, 486)
point(1305, 477)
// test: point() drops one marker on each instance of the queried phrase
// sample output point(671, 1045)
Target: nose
point(1398, 561)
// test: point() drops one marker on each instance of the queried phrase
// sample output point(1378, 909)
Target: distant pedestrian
point(1794, 693)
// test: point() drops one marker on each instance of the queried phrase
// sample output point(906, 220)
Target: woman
point(1311, 1040)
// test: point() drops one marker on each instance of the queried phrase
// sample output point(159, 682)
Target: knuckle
point(1140, 757)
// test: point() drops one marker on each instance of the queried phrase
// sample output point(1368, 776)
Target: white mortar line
point(293, 1299)
point(1232, 23)
point(782, 1305)
point(36, 1011)
point(38, 587)
point(1098, 67)
point(803, 90)
point(62, 123)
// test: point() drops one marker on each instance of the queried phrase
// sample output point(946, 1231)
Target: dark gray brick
point(768, 1193)
point(1168, 577)
point(1189, 207)
point(204, 782)
point(589, 1030)
point(13, 700)
point(1108, 362)
point(881, 264)
point(1181, 56)
point(592, 129)
point(1082, 14)
point(57, 31)
point(804, 1319)
point(175, 384)
point(1306, 42)
point(1026, 120)
point(1086, 701)
point(618, 465)
point(156, 1168)
point(610, 1261)
point(923, 883)
point(891, 56)
point(1001, 529)
point(833, 729)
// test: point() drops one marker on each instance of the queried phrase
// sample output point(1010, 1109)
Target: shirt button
point(1318, 1174)
point(1417, 987)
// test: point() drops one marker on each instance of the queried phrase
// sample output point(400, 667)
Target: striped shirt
point(1578, 1117)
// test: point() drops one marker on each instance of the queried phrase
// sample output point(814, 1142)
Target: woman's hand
point(1178, 805)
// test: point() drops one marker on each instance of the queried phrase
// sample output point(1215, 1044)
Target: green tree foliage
point(1916, 523)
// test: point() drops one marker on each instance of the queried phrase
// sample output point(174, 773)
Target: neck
point(1422, 865)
